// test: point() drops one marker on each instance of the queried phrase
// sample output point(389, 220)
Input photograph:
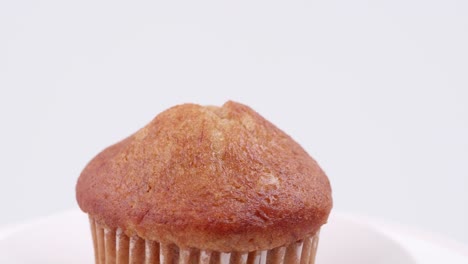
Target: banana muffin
point(205, 184)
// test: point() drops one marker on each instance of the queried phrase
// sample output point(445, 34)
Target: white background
point(376, 91)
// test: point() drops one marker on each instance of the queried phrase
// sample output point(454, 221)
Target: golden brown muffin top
point(216, 178)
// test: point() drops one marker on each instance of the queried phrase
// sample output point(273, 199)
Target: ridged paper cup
point(114, 246)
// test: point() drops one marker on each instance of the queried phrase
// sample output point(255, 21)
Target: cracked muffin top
point(216, 178)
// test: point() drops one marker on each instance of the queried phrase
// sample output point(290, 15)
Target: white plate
point(65, 238)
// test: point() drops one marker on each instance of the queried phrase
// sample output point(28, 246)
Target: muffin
point(205, 184)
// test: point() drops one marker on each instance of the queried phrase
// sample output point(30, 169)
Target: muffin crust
point(214, 178)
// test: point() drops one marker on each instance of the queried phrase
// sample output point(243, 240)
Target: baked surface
point(216, 178)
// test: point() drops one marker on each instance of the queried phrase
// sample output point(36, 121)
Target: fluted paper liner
point(114, 246)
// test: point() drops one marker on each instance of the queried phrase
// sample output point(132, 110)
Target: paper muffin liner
point(113, 246)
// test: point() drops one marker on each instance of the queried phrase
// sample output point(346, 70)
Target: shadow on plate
point(346, 241)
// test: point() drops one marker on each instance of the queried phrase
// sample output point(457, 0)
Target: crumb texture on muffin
point(216, 178)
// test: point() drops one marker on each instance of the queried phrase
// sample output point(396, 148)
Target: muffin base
point(112, 246)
